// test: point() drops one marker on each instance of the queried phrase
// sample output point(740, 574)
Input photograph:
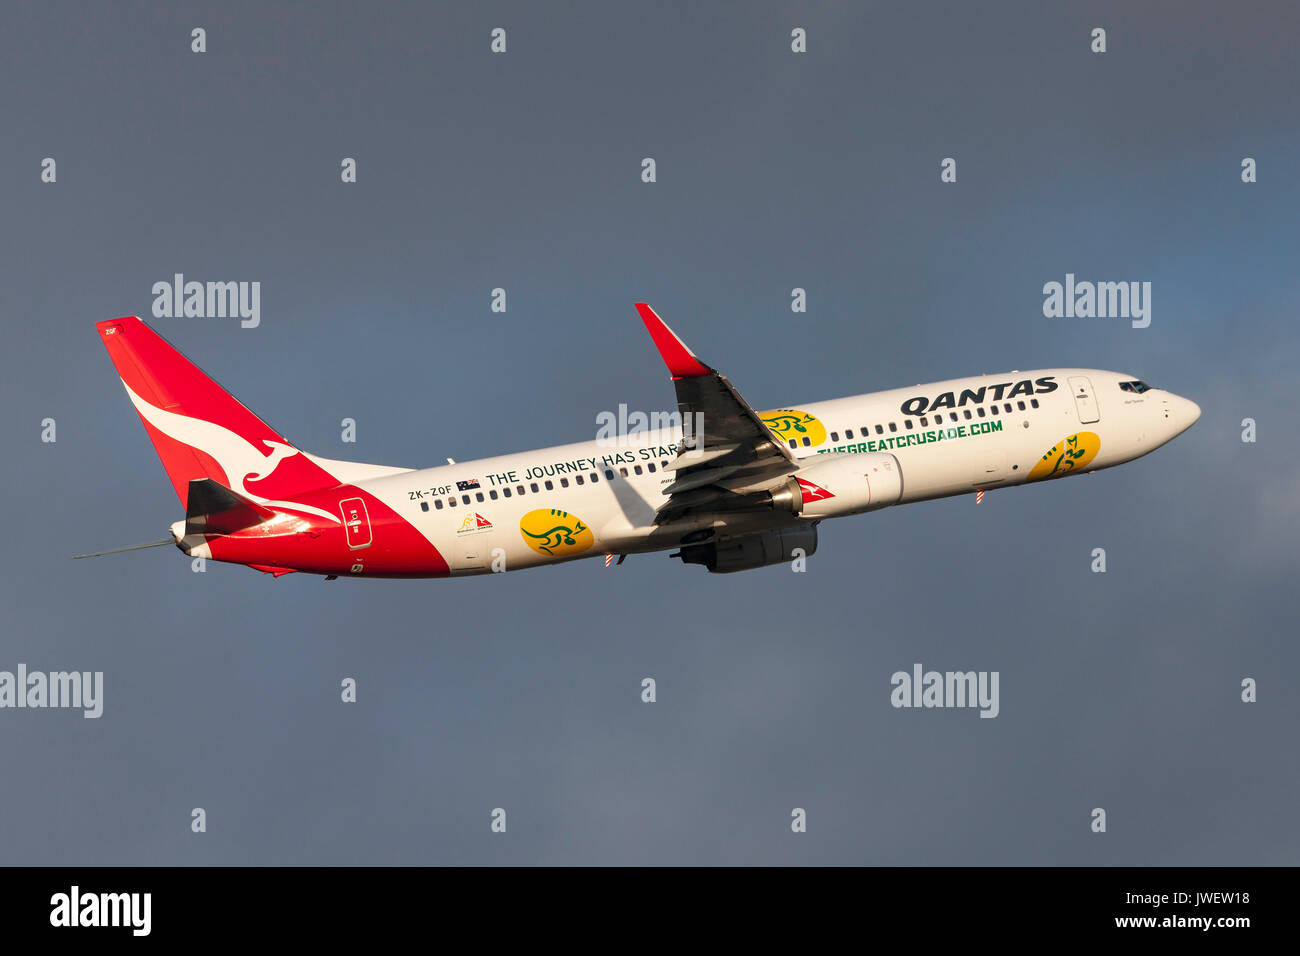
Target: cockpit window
point(1138, 387)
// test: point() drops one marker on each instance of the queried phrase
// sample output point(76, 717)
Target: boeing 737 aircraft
point(730, 488)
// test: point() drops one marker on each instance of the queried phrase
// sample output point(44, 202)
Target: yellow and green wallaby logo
point(1066, 456)
point(788, 423)
point(556, 533)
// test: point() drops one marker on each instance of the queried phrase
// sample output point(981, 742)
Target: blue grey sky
point(775, 170)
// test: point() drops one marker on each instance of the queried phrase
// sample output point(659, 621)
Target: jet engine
point(748, 551)
point(849, 484)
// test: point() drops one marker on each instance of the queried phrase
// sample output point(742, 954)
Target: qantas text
point(920, 405)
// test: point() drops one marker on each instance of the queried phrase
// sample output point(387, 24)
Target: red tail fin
point(198, 428)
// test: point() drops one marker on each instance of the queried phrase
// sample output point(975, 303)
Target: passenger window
point(967, 412)
point(564, 482)
point(835, 436)
point(493, 494)
point(594, 477)
point(926, 422)
point(438, 504)
point(609, 474)
point(506, 492)
point(532, 486)
point(907, 423)
point(550, 485)
point(578, 479)
point(623, 471)
point(1007, 406)
point(424, 506)
point(465, 498)
point(1033, 402)
point(651, 467)
point(478, 496)
point(637, 469)
point(993, 409)
point(1022, 405)
point(848, 433)
point(892, 427)
point(980, 411)
point(451, 502)
point(806, 441)
point(880, 429)
point(793, 443)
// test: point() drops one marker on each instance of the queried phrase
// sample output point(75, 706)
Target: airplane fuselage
point(601, 497)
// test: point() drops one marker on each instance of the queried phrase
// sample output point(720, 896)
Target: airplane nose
point(1186, 412)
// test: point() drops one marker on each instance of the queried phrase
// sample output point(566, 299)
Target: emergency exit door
point(356, 523)
point(1085, 400)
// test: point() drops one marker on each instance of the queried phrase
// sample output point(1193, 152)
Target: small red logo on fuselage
point(813, 492)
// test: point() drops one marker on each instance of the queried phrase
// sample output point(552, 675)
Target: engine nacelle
point(751, 550)
point(849, 484)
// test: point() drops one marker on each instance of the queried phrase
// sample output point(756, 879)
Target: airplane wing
point(726, 449)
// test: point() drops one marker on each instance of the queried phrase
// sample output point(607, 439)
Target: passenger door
point(1084, 399)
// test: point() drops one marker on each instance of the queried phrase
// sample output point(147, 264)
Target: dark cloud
point(221, 689)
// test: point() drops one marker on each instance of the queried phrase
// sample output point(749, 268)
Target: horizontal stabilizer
point(212, 508)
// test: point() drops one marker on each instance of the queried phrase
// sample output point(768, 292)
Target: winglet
point(680, 360)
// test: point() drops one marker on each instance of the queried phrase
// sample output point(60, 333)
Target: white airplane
point(728, 487)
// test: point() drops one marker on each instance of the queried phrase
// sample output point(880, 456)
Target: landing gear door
point(1085, 400)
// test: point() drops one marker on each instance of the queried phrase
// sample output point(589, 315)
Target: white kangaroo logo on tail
point(237, 456)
